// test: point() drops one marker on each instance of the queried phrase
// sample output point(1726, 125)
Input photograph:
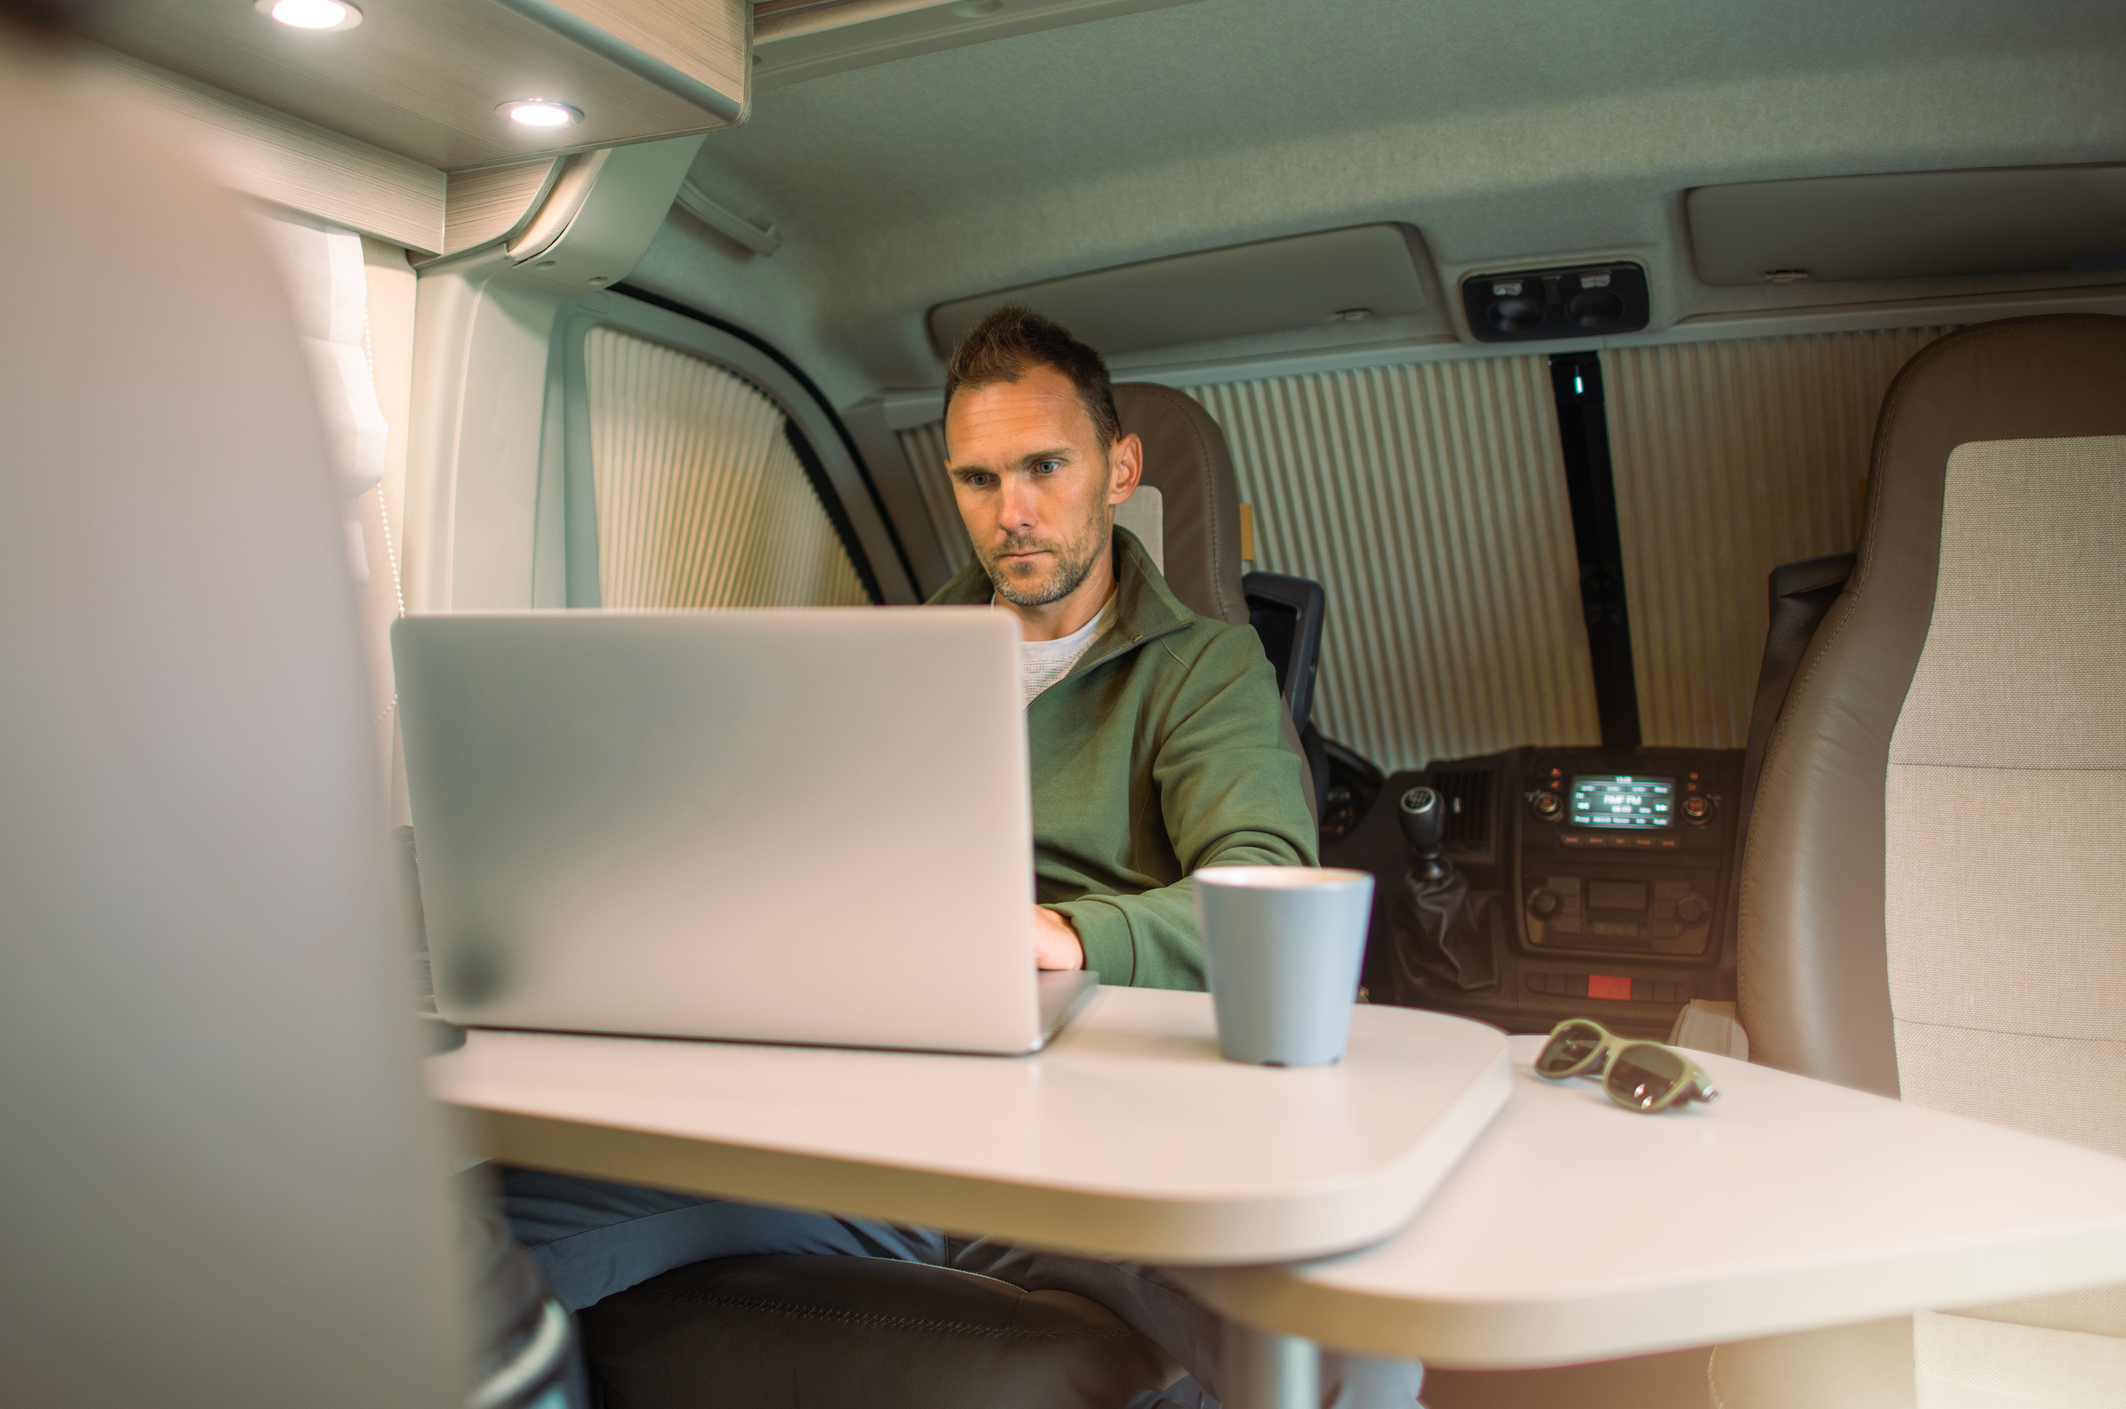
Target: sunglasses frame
point(1695, 1084)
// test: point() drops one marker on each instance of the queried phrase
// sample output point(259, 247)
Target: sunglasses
point(1639, 1076)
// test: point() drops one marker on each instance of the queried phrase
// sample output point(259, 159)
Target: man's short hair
point(1014, 340)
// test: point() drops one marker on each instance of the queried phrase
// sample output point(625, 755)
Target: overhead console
point(1564, 882)
point(1545, 305)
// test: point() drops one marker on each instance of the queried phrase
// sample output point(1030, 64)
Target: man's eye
point(1049, 467)
point(975, 481)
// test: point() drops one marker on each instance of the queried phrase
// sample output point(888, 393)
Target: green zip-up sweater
point(1160, 753)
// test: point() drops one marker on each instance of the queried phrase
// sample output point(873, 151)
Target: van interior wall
point(389, 343)
point(776, 298)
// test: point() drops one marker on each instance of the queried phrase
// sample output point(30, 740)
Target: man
point(1155, 734)
point(1156, 749)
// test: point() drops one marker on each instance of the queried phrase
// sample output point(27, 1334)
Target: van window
point(702, 500)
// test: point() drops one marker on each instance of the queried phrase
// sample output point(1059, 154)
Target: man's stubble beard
point(1074, 561)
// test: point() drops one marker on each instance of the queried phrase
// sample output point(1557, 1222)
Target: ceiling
point(1507, 132)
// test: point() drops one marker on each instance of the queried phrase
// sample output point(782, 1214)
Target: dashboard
point(1598, 883)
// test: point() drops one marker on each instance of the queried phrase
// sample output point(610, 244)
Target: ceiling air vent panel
point(1357, 273)
point(2011, 220)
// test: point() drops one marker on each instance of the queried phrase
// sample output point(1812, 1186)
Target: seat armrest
point(1704, 1026)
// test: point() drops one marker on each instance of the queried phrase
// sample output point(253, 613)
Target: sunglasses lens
point(1642, 1075)
point(1569, 1046)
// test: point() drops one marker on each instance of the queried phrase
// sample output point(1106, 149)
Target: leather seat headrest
point(1186, 460)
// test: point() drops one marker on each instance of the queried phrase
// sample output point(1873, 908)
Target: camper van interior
point(474, 472)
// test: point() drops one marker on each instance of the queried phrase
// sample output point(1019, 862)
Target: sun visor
point(1348, 275)
point(2012, 220)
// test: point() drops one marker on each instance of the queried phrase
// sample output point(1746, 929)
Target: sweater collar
point(1145, 607)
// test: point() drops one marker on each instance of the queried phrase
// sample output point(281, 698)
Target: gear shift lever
point(1445, 937)
point(1422, 814)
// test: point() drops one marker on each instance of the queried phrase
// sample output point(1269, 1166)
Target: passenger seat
point(1935, 829)
point(1933, 847)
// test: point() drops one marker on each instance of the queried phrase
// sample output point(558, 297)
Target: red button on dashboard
point(1611, 987)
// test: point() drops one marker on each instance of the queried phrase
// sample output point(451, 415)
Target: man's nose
point(1018, 505)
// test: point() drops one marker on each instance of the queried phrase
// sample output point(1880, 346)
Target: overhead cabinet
point(426, 79)
point(1904, 225)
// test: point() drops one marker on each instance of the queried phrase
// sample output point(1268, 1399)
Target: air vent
point(1468, 795)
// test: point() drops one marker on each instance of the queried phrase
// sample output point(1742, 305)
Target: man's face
point(1034, 487)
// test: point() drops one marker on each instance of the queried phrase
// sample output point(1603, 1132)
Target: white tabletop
point(1129, 1137)
point(1577, 1231)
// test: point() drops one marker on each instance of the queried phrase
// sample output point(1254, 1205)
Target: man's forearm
point(1149, 940)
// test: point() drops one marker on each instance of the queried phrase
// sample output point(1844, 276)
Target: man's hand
point(1055, 943)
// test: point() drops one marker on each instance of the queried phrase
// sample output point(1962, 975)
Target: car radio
point(1622, 853)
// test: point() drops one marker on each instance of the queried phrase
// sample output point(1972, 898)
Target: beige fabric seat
point(1814, 984)
point(2005, 805)
point(1863, 959)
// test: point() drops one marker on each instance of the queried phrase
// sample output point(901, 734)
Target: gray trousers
point(595, 1238)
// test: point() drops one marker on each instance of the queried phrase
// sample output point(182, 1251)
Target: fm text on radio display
point(1623, 801)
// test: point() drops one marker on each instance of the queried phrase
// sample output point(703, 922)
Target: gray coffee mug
point(1283, 945)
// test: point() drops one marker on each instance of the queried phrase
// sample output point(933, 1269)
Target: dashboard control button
point(1548, 806)
point(1543, 904)
point(1692, 910)
point(1698, 809)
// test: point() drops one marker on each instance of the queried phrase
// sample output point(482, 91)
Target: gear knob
point(1422, 814)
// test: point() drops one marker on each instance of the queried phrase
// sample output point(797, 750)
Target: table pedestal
point(1268, 1371)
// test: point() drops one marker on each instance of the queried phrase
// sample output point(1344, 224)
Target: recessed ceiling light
point(540, 112)
point(312, 14)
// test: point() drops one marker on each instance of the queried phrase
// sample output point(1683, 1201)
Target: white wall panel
point(701, 501)
point(1731, 458)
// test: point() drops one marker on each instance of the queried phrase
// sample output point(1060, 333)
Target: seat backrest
point(1186, 460)
point(220, 1179)
point(1814, 982)
point(2006, 802)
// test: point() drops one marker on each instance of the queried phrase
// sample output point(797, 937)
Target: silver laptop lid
point(784, 825)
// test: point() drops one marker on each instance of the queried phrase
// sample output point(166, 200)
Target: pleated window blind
point(701, 498)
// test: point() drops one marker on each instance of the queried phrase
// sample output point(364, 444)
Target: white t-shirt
point(1043, 663)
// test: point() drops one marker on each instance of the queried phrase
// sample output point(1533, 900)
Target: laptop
point(784, 825)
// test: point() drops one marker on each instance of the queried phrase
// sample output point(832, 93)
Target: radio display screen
point(1625, 800)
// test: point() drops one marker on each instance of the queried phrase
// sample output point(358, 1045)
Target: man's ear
point(1125, 463)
